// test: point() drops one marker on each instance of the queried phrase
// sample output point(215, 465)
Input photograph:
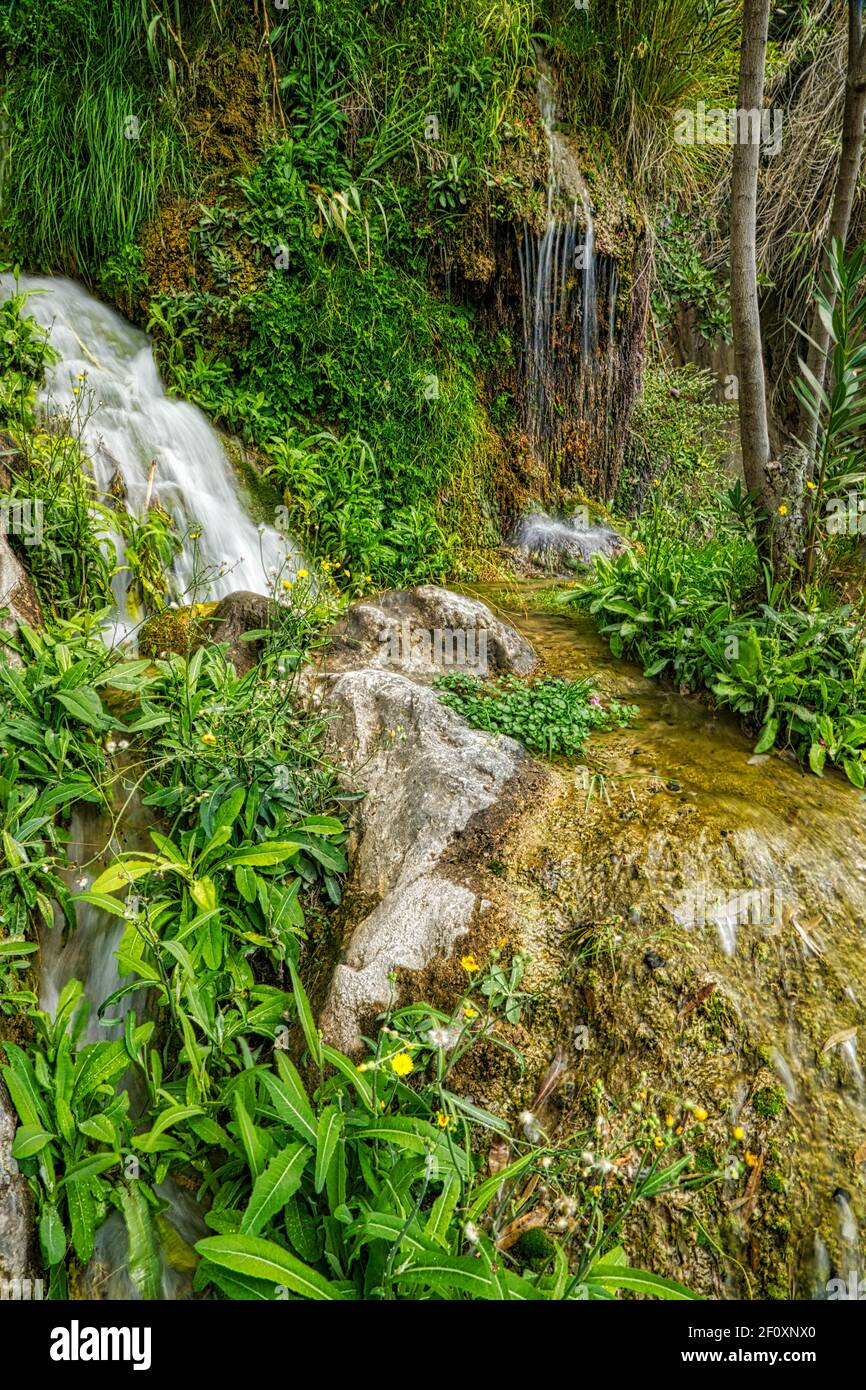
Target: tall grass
point(87, 145)
point(629, 65)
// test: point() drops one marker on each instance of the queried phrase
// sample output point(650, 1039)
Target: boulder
point(233, 616)
point(184, 629)
point(427, 631)
point(430, 779)
point(17, 593)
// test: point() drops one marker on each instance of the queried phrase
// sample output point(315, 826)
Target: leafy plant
point(551, 715)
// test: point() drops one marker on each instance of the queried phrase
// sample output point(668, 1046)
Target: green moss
point(705, 1159)
point(174, 630)
point(535, 1248)
point(769, 1102)
point(774, 1182)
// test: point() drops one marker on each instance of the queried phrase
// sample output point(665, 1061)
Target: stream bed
point(708, 871)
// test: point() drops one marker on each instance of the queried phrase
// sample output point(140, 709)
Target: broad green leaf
point(290, 1099)
point(273, 1188)
point(328, 1134)
point(30, 1140)
point(52, 1236)
point(263, 1259)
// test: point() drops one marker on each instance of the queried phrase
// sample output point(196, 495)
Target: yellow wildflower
point(209, 739)
point(738, 1133)
point(469, 963)
point(810, 485)
point(659, 1142)
point(303, 574)
point(783, 510)
point(669, 1119)
point(750, 1158)
point(287, 583)
point(402, 1063)
point(596, 1191)
point(700, 1113)
point(444, 1121)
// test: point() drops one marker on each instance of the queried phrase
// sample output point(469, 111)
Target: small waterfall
point(107, 380)
point(561, 545)
point(558, 278)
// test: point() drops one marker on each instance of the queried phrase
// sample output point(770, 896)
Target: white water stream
point(107, 382)
point(558, 271)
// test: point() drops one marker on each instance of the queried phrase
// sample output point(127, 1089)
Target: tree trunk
point(745, 315)
point(847, 177)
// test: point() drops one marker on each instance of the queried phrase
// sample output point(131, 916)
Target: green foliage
point(49, 483)
point(55, 716)
point(354, 1185)
point(629, 65)
point(687, 607)
point(150, 546)
point(335, 331)
point(550, 715)
point(838, 410)
point(683, 280)
point(75, 1127)
point(678, 428)
point(88, 145)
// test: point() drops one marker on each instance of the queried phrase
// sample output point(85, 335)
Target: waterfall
point(558, 279)
point(106, 379)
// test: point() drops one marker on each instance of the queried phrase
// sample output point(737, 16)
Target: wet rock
point(653, 961)
point(426, 631)
point(18, 1258)
point(17, 593)
point(427, 776)
point(234, 616)
point(184, 629)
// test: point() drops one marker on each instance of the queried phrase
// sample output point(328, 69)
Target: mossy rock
point(769, 1102)
point(173, 630)
point(535, 1248)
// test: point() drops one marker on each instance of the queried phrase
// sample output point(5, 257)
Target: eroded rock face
point(17, 1252)
point(16, 591)
point(427, 776)
point(425, 631)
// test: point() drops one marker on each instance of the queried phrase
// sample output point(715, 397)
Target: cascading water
point(106, 381)
point(559, 279)
point(161, 448)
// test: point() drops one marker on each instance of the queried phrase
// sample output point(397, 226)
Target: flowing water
point(105, 383)
point(558, 275)
point(161, 449)
point(559, 545)
point(739, 875)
